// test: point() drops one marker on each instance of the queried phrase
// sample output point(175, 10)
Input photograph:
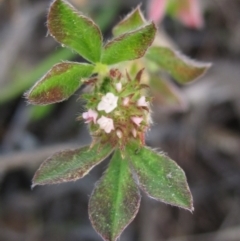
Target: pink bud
point(119, 86)
point(134, 132)
point(119, 134)
point(137, 120)
point(126, 101)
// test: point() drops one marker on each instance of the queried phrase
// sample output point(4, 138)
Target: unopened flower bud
point(134, 132)
point(119, 134)
point(119, 86)
point(126, 101)
point(137, 120)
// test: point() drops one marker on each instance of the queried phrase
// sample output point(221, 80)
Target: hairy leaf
point(59, 83)
point(179, 66)
point(166, 95)
point(75, 30)
point(131, 22)
point(129, 46)
point(115, 200)
point(70, 165)
point(159, 176)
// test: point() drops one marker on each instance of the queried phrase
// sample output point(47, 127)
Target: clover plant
point(118, 107)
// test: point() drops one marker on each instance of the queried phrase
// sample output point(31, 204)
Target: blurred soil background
point(204, 139)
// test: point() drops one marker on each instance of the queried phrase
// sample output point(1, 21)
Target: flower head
point(106, 124)
point(108, 102)
point(90, 116)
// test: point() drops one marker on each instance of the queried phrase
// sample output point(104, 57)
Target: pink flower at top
point(106, 124)
point(156, 10)
point(90, 116)
point(137, 120)
point(108, 102)
point(188, 12)
point(142, 101)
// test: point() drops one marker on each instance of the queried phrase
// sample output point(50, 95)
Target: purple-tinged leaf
point(129, 46)
point(159, 176)
point(75, 30)
point(70, 165)
point(115, 200)
point(131, 22)
point(182, 68)
point(59, 83)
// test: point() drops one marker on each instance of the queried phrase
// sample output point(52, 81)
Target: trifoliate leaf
point(159, 176)
point(59, 83)
point(70, 165)
point(166, 94)
point(179, 66)
point(129, 46)
point(115, 200)
point(131, 22)
point(75, 30)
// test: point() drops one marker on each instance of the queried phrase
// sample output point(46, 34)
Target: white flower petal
point(142, 101)
point(108, 102)
point(106, 124)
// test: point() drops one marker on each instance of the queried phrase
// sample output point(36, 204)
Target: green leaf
point(179, 66)
point(129, 46)
point(74, 30)
point(131, 22)
point(59, 83)
point(166, 94)
point(159, 176)
point(115, 200)
point(70, 165)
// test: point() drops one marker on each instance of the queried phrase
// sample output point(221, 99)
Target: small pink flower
point(119, 86)
point(90, 116)
point(134, 132)
point(108, 102)
point(126, 101)
point(106, 124)
point(137, 120)
point(142, 102)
